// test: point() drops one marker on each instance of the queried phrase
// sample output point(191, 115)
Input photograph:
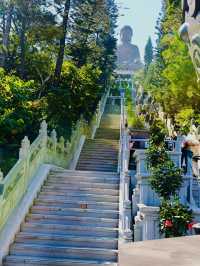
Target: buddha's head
point(126, 34)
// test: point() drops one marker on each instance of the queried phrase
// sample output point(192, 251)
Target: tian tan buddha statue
point(128, 55)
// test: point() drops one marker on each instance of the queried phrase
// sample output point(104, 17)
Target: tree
point(148, 56)
point(170, 78)
point(61, 51)
point(6, 21)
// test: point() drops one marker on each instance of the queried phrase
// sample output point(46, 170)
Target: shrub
point(166, 179)
point(175, 219)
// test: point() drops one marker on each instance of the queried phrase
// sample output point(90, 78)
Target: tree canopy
point(57, 58)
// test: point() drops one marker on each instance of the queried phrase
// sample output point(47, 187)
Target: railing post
point(1, 176)
point(54, 139)
point(125, 203)
point(24, 155)
point(43, 135)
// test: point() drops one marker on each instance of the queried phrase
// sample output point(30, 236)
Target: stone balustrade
point(44, 150)
point(125, 225)
point(146, 223)
point(145, 202)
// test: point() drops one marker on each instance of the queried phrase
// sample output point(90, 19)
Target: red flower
point(190, 225)
point(168, 224)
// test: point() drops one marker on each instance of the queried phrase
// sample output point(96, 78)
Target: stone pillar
point(54, 139)
point(147, 195)
point(1, 176)
point(126, 202)
point(25, 147)
point(150, 222)
point(24, 155)
point(184, 191)
point(176, 158)
point(135, 200)
point(178, 143)
point(141, 163)
point(138, 227)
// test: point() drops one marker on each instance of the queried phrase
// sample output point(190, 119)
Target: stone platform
point(183, 251)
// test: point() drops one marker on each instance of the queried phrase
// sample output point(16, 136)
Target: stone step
point(101, 145)
point(96, 164)
point(83, 173)
point(103, 142)
point(92, 156)
point(107, 135)
point(65, 178)
point(106, 149)
point(69, 230)
point(100, 151)
point(49, 251)
point(75, 204)
point(106, 141)
point(72, 220)
point(83, 192)
point(101, 157)
point(73, 241)
point(95, 200)
point(97, 168)
point(91, 160)
point(74, 183)
point(115, 131)
point(33, 261)
point(101, 148)
point(77, 212)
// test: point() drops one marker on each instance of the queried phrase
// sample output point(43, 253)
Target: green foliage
point(17, 107)
point(156, 156)
point(134, 121)
point(20, 115)
point(158, 132)
point(166, 178)
point(171, 79)
point(34, 38)
point(148, 56)
point(175, 218)
point(78, 93)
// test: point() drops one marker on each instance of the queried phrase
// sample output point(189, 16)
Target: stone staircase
point(101, 153)
point(74, 220)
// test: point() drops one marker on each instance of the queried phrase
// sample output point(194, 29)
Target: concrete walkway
point(183, 251)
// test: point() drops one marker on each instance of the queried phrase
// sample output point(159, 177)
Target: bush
point(175, 219)
point(156, 155)
point(166, 179)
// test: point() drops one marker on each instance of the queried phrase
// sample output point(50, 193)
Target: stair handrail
point(46, 149)
point(125, 204)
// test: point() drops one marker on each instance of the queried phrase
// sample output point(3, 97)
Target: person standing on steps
point(186, 156)
point(131, 146)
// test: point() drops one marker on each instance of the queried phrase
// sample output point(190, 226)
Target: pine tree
point(148, 56)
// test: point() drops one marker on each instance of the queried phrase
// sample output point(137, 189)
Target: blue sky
point(141, 16)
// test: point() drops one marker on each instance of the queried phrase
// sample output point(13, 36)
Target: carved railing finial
point(1, 175)
point(43, 128)
point(62, 144)
point(25, 147)
point(54, 136)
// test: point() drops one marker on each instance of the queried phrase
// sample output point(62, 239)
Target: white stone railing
point(44, 150)
point(145, 202)
point(125, 204)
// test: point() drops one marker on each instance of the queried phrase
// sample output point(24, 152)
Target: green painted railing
point(44, 150)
